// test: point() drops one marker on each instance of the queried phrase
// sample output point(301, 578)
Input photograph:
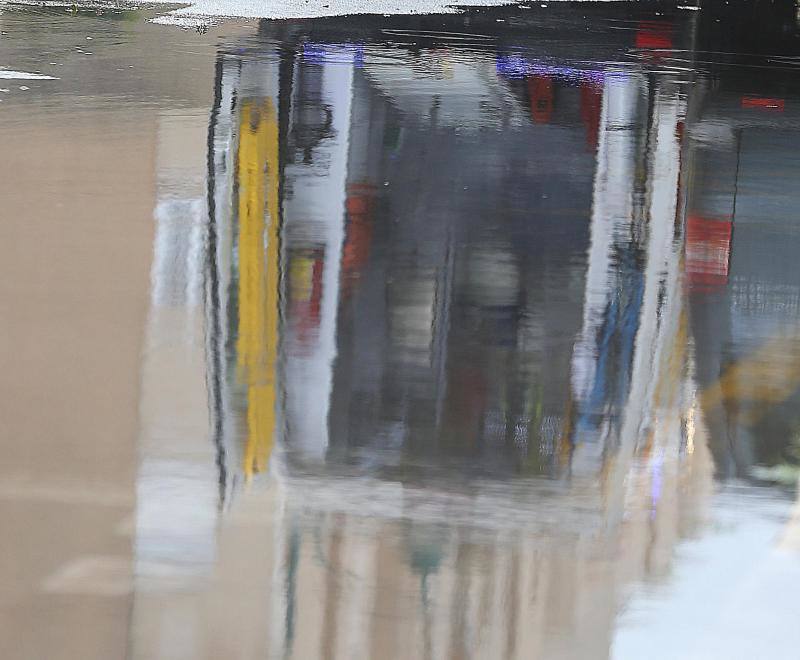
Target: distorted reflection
point(482, 323)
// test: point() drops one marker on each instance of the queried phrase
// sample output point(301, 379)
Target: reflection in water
point(482, 322)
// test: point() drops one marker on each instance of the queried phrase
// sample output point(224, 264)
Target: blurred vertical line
point(213, 329)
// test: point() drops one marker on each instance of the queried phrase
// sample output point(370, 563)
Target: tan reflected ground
point(75, 241)
point(78, 177)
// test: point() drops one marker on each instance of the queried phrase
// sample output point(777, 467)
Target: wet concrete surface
point(466, 336)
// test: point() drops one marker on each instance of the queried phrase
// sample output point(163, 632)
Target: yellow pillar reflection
point(257, 343)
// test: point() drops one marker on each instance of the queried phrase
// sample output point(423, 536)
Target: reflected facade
point(468, 315)
point(455, 335)
point(465, 336)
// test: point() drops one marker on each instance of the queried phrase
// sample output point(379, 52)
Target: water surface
point(471, 336)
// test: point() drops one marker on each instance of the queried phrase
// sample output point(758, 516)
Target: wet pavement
point(465, 336)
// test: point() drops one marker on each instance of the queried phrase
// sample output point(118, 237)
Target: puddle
point(469, 335)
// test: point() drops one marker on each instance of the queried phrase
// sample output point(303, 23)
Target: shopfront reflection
point(482, 323)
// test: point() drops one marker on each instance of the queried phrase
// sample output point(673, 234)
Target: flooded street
point(429, 337)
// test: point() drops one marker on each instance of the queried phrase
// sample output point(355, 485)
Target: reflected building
point(740, 241)
point(446, 349)
point(473, 335)
point(451, 323)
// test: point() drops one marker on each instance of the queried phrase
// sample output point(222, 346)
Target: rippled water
point(471, 336)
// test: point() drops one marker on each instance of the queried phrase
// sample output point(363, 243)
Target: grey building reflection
point(471, 319)
point(743, 290)
point(445, 308)
point(446, 228)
